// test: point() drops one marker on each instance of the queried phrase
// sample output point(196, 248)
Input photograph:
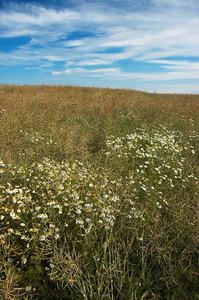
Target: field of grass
point(98, 194)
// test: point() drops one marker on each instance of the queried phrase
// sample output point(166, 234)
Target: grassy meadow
point(98, 194)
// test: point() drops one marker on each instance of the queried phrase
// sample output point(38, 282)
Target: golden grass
point(78, 118)
point(64, 100)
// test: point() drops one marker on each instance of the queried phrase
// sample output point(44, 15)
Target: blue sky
point(148, 45)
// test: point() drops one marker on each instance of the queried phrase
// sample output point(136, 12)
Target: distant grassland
point(98, 194)
point(79, 118)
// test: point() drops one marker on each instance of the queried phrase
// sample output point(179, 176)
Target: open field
point(98, 194)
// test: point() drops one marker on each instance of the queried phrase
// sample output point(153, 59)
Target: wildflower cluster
point(43, 201)
point(43, 198)
point(154, 163)
point(2, 166)
point(35, 137)
point(36, 143)
point(51, 196)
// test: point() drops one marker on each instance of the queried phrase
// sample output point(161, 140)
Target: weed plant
point(98, 194)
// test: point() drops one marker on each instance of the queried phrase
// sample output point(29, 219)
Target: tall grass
point(98, 194)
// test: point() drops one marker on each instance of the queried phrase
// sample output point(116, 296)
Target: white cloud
point(61, 72)
point(93, 62)
point(177, 65)
point(105, 34)
point(118, 74)
point(37, 15)
point(74, 43)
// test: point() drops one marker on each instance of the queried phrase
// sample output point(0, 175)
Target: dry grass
point(64, 100)
point(138, 166)
point(79, 117)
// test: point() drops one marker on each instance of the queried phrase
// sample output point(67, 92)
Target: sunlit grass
point(98, 199)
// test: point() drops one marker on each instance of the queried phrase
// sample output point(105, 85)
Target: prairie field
point(99, 194)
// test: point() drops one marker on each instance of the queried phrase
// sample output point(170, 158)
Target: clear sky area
point(147, 45)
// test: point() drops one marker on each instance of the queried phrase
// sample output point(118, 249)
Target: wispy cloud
point(96, 39)
point(118, 74)
point(61, 72)
point(177, 65)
